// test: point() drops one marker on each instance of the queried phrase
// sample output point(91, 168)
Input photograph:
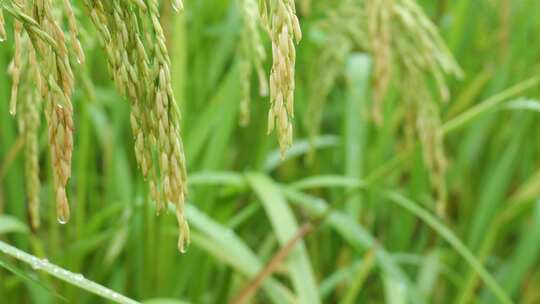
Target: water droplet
point(12, 112)
point(35, 263)
point(61, 220)
point(2, 39)
point(78, 277)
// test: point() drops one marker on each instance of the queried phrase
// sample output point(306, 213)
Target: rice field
point(269, 151)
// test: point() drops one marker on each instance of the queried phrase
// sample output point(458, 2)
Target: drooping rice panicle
point(59, 84)
point(279, 18)
point(73, 31)
point(29, 121)
point(139, 63)
point(402, 35)
point(343, 29)
point(15, 65)
point(53, 64)
point(252, 56)
point(380, 34)
point(24, 70)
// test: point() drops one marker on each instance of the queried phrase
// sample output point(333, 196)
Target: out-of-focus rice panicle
point(15, 65)
point(252, 56)
point(422, 55)
point(28, 121)
point(379, 14)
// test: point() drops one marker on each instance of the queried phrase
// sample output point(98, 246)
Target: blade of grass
point(285, 226)
point(225, 245)
point(489, 104)
point(10, 224)
point(447, 234)
point(355, 125)
point(27, 278)
point(245, 294)
point(357, 236)
point(64, 275)
point(361, 276)
point(299, 147)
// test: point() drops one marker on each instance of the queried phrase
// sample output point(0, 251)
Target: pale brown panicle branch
point(280, 20)
point(138, 60)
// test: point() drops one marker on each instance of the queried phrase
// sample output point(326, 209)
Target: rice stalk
point(252, 55)
point(280, 20)
point(134, 42)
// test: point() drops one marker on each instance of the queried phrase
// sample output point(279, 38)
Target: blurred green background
point(364, 188)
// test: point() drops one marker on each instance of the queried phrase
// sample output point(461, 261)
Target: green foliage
point(379, 235)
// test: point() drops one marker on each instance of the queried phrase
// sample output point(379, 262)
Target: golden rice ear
point(142, 75)
point(50, 63)
point(282, 24)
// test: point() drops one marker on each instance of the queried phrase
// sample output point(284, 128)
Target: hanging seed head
point(140, 66)
point(379, 14)
point(252, 56)
point(73, 31)
point(281, 22)
point(402, 35)
point(28, 121)
point(50, 59)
